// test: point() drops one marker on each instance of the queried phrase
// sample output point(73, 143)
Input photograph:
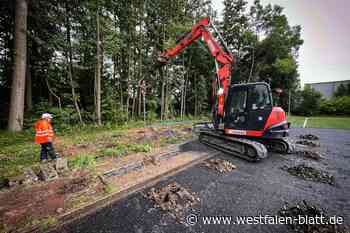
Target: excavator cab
point(249, 112)
point(248, 106)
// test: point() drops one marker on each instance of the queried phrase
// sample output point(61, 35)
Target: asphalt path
point(253, 189)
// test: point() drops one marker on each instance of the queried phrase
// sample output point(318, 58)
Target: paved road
point(250, 190)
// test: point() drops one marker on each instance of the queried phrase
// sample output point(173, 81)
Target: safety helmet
point(46, 116)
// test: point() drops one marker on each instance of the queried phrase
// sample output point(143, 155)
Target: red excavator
point(245, 121)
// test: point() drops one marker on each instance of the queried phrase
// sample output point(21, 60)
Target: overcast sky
point(325, 54)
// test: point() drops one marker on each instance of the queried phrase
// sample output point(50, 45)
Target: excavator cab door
point(236, 114)
point(259, 105)
point(248, 106)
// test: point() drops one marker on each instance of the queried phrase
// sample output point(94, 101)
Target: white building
point(327, 88)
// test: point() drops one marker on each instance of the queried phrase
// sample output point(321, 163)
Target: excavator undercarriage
point(251, 149)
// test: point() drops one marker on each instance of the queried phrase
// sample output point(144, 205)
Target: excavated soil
point(173, 198)
point(309, 173)
point(305, 209)
point(307, 143)
point(220, 165)
point(309, 137)
point(41, 200)
point(309, 154)
point(74, 185)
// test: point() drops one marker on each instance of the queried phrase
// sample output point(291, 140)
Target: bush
point(336, 106)
point(328, 107)
point(310, 102)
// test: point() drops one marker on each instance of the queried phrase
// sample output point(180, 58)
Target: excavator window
point(239, 101)
point(259, 97)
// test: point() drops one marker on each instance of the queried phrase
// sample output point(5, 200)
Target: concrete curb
point(111, 198)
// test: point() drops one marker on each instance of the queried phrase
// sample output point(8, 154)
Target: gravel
point(250, 190)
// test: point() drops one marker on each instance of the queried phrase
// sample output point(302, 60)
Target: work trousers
point(47, 149)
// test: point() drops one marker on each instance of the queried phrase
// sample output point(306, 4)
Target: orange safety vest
point(43, 131)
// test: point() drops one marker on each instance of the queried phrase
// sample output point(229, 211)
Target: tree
point(15, 122)
point(342, 90)
point(120, 41)
point(239, 37)
point(310, 102)
point(98, 70)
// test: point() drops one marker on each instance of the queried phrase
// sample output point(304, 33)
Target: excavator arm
point(225, 59)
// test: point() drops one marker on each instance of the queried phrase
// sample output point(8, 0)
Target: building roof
point(340, 81)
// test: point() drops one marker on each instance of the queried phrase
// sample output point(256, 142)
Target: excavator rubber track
point(244, 148)
point(279, 145)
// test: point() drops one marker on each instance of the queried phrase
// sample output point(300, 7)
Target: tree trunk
point(195, 97)
point(182, 89)
point(15, 122)
point(98, 72)
point(166, 100)
point(51, 93)
point(133, 109)
point(128, 85)
point(29, 102)
point(185, 95)
point(69, 58)
point(139, 101)
point(140, 58)
point(162, 96)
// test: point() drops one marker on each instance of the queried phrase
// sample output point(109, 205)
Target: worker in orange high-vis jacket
point(44, 135)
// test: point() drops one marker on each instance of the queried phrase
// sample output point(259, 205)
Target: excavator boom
point(225, 59)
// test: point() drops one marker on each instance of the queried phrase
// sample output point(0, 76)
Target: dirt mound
point(168, 133)
point(311, 212)
point(309, 154)
point(75, 185)
point(187, 130)
point(220, 165)
point(148, 135)
point(309, 173)
point(307, 143)
point(173, 198)
point(308, 137)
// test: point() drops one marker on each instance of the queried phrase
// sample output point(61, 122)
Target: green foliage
point(117, 151)
point(336, 106)
point(47, 222)
point(83, 161)
point(342, 90)
point(310, 102)
point(285, 66)
point(17, 150)
point(122, 150)
point(140, 147)
point(112, 110)
point(151, 116)
point(109, 188)
point(133, 33)
point(328, 107)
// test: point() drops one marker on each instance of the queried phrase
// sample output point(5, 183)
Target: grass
point(122, 150)
point(109, 188)
point(83, 161)
point(18, 150)
point(321, 122)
